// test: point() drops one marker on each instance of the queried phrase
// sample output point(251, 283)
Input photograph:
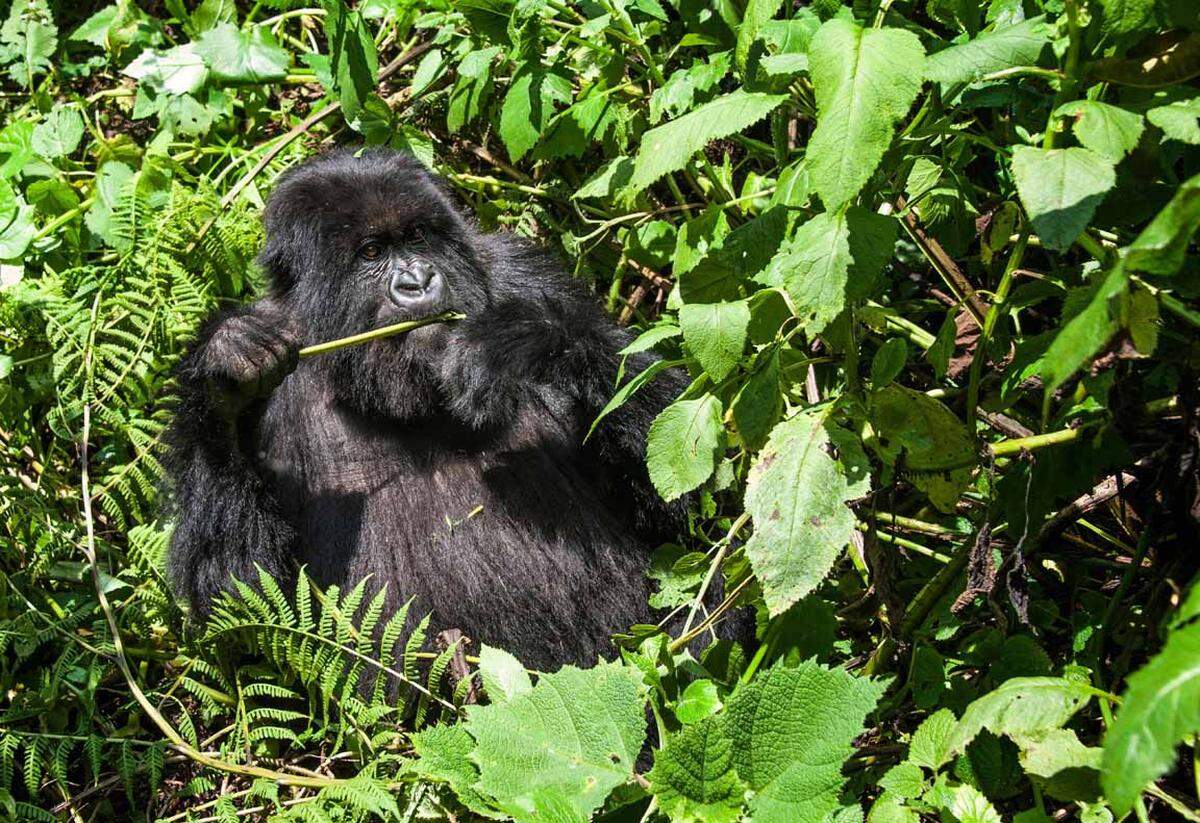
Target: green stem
point(1039, 441)
point(63, 219)
point(905, 543)
point(995, 312)
point(1066, 89)
point(377, 334)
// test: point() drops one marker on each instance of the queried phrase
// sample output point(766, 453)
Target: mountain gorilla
point(448, 463)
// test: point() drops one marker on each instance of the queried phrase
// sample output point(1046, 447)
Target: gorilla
point(449, 463)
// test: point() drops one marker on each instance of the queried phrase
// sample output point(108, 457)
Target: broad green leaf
point(1126, 16)
point(651, 337)
point(16, 148)
point(930, 744)
point(1020, 708)
point(832, 257)
point(797, 494)
point(112, 181)
point(716, 334)
point(1159, 710)
point(792, 730)
point(670, 146)
point(678, 573)
point(1179, 120)
point(921, 434)
point(698, 701)
point(353, 61)
point(443, 756)
point(236, 56)
point(1062, 765)
point(684, 86)
point(581, 126)
point(1189, 609)
point(1162, 246)
point(628, 389)
point(888, 362)
point(59, 134)
point(579, 733)
point(1107, 130)
point(652, 244)
point(694, 777)
point(969, 805)
point(17, 230)
point(699, 236)
point(29, 38)
point(471, 89)
point(891, 808)
point(904, 779)
point(992, 51)
point(1085, 333)
point(757, 13)
point(211, 12)
point(503, 675)
point(683, 445)
point(179, 70)
point(426, 72)
point(1061, 189)
point(759, 405)
point(528, 107)
point(608, 180)
point(942, 350)
point(864, 82)
point(94, 30)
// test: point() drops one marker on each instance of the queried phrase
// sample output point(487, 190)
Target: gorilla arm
point(547, 338)
point(226, 522)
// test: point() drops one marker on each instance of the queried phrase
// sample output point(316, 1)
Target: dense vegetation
point(929, 263)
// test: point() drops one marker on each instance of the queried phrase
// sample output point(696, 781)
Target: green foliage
point(1160, 709)
point(931, 268)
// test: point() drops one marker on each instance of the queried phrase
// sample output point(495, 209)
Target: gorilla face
point(357, 243)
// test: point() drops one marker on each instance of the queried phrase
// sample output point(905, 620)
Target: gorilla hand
point(246, 357)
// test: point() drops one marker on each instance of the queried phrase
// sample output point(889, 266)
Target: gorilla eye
point(371, 250)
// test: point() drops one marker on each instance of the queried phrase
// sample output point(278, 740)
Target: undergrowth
point(930, 265)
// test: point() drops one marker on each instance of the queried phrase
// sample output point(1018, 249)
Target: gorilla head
point(356, 242)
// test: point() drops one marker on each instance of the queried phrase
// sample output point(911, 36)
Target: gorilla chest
point(420, 500)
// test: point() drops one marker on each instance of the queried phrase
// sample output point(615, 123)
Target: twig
point(943, 263)
point(378, 334)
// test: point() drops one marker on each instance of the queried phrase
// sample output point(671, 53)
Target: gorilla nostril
point(413, 284)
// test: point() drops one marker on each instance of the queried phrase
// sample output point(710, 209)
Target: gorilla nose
point(415, 284)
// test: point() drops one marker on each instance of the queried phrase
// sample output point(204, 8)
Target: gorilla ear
point(293, 238)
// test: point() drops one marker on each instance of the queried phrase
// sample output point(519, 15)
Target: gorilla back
point(448, 464)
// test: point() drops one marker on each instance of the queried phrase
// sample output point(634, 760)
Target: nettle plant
point(929, 264)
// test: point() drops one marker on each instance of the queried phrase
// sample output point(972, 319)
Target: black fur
point(370, 460)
